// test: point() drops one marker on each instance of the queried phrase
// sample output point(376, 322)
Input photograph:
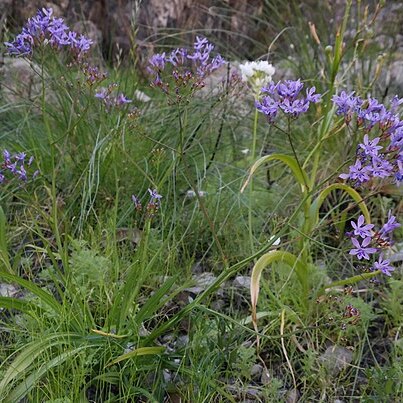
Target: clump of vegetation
point(134, 238)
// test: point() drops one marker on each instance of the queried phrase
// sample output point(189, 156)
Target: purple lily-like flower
point(154, 196)
point(380, 168)
point(357, 173)
point(121, 100)
point(137, 202)
point(370, 147)
point(384, 266)
point(390, 225)
point(361, 250)
point(360, 229)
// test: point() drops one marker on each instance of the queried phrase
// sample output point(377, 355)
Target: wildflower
point(370, 147)
point(346, 104)
point(109, 100)
point(43, 28)
point(380, 167)
point(361, 250)
point(14, 166)
point(189, 66)
point(357, 173)
point(360, 229)
point(154, 196)
point(257, 74)
point(384, 266)
point(390, 225)
point(137, 203)
point(286, 96)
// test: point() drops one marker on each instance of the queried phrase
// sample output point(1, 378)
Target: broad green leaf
point(317, 203)
point(18, 304)
point(154, 302)
point(298, 172)
point(25, 359)
point(29, 382)
point(138, 352)
point(45, 297)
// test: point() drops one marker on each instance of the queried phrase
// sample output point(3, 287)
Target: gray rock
point(292, 396)
point(266, 377)
point(336, 359)
point(242, 282)
point(256, 371)
point(182, 341)
point(20, 80)
point(7, 290)
point(202, 282)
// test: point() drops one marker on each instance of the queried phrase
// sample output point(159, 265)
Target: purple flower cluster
point(110, 100)
point(385, 127)
point(44, 28)
point(187, 66)
point(14, 166)
point(93, 74)
point(153, 205)
point(373, 242)
point(286, 97)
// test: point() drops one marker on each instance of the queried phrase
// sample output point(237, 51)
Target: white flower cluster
point(257, 74)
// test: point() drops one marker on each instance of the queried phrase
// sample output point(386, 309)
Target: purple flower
point(311, 96)
point(360, 229)
point(381, 168)
point(178, 57)
point(346, 104)
point(361, 250)
point(294, 108)
point(14, 165)
point(44, 28)
point(156, 62)
point(121, 100)
point(289, 89)
point(200, 42)
point(110, 101)
point(357, 173)
point(395, 103)
point(102, 93)
point(269, 107)
point(390, 225)
point(136, 202)
point(384, 266)
point(154, 196)
point(370, 147)
point(285, 96)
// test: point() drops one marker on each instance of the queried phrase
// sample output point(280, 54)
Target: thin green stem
point(253, 156)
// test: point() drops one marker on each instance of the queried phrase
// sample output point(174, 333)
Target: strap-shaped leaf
point(262, 263)
point(317, 203)
point(18, 304)
point(137, 352)
point(45, 297)
point(298, 172)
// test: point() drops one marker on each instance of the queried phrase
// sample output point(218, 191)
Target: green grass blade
point(138, 352)
point(4, 257)
point(154, 302)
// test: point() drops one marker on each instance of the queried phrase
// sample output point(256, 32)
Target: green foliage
point(97, 295)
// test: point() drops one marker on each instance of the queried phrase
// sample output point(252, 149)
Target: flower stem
point(253, 156)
